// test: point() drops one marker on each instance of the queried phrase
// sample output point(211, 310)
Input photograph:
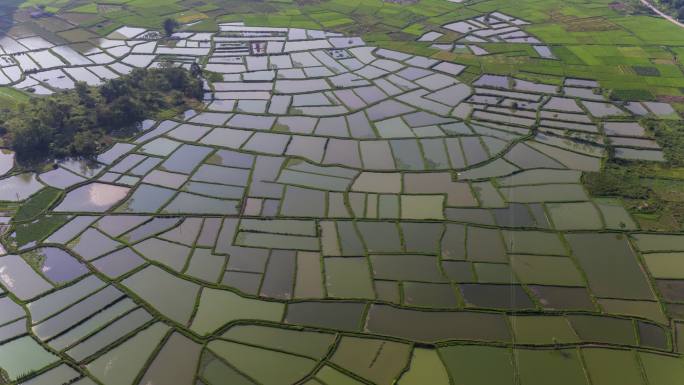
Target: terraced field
point(338, 213)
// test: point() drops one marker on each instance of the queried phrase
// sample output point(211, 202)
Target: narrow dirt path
point(661, 13)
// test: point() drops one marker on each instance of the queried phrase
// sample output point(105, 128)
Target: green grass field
point(9, 97)
point(37, 204)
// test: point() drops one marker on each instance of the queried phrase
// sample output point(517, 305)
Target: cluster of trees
point(616, 180)
point(670, 136)
point(630, 181)
point(81, 121)
point(677, 5)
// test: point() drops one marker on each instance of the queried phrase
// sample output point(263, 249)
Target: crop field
point(478, 193)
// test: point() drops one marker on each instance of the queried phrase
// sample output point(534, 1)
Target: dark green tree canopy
point(170, 26)
point(80, 122)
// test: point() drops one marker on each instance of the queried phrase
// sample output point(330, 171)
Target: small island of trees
point(82, 121)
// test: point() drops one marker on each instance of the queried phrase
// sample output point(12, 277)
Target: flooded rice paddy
point(337, 214)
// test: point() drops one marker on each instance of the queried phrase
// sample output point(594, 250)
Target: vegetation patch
point(37, 204)
point(631, 94)
point(38, 229)
point(82, 121)
point(670, 135)
point(589, 24)
point(212, 77)
point(646, 71)
point(86, 8)
point(615, 180)
point(10, 98)
point(674, 6)
point(650, 191)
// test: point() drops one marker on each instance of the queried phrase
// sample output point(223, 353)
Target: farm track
point(661, 13)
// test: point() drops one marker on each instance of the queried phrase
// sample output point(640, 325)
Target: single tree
point(195, 70)
point(170, 26)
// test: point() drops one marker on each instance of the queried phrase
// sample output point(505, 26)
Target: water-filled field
point(336, 213)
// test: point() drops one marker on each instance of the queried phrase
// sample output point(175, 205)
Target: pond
point(117, 329)
point(178, 306)
point(19, 277)
point(122, 364)
point(436, 326)
point(6, 161)
point(19, 187)
point(616, 273)
point(24, 355)
point(57, 265)
point(146, 199)
point(185, 158)
point(93, 197)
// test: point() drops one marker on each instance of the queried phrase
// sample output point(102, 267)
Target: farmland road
point(661, 13)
